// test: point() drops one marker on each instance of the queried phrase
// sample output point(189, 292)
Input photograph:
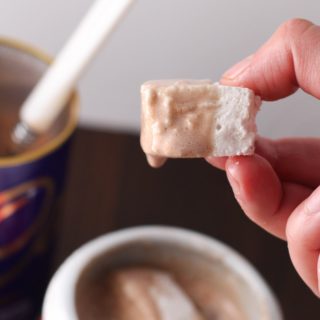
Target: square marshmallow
point(196, 118)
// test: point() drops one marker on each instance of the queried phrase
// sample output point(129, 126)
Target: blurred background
point(166, 39)
point(109, 184)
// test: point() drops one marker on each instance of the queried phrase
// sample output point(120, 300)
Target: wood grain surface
point(110, 186)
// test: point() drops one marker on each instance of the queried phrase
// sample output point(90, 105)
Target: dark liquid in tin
point(19, 73)
point(10, 103)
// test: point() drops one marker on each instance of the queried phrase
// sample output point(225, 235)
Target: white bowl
point(256, 297)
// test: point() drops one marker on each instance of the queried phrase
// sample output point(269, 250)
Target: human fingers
point(294, 160)
point(304, 240)
point(260, 193)
point(288, 60)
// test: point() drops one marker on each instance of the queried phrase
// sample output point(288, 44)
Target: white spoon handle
point(49, 96)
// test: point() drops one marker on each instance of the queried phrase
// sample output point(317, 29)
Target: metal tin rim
point(63, 135)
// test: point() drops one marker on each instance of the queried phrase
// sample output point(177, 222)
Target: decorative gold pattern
point(9, 209)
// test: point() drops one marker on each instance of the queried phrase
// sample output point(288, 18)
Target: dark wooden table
point(110, 186)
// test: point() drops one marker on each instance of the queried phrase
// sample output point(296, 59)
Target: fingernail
point(312, 204)
point(235, 71)
point(233, 179)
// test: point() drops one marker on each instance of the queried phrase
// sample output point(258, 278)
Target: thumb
point(303, 238)
point(288, 60)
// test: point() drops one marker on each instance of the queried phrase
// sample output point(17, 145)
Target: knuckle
point(294, 28)
point(294, 232)
point(301, 227)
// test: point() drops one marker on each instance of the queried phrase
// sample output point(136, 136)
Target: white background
point(166, 39)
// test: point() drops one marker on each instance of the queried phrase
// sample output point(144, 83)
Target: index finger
point(288, 60)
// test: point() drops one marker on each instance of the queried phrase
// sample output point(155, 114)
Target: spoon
point(50, 95)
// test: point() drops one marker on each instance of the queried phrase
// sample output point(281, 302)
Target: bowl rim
point(59, 301)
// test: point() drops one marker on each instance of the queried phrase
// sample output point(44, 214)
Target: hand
point(278, 186)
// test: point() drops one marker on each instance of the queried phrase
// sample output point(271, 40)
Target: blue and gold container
point(30, 186)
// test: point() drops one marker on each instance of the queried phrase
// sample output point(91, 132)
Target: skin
point(278, 187)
